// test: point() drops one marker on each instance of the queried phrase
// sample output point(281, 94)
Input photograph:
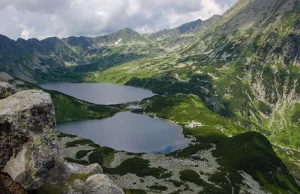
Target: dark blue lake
point(100, 93)
point(130, 132)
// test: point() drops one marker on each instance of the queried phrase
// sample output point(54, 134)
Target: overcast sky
point(63, 18)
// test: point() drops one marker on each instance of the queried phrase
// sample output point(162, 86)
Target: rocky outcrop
point(6, 90)
point(29, 158)
point(28, 146)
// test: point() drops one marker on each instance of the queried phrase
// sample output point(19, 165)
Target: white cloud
point(134, 7)
point(25, 34)
point(62, 18)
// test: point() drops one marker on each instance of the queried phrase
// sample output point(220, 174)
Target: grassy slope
point(68, 108)
point(183, 109)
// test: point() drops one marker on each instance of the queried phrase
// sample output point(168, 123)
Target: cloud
point(63, 18)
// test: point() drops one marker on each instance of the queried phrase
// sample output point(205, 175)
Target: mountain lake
point(124, 131)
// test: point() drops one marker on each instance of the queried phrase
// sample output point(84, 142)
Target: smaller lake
point(100, 93)
point(130, 132)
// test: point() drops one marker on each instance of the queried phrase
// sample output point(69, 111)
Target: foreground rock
point(69, 178)
point(6, 90)
point(28, 145)
point(101, 184)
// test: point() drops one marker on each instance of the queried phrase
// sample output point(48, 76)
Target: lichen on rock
point(28, 146)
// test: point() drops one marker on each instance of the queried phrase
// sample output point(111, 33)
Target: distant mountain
point(41, 56)
point(124, 36)
point(190, 27)
point(54, 54)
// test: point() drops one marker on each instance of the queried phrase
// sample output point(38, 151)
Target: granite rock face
point(6, 90)
point(28, 146)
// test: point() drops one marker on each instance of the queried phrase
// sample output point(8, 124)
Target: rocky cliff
point(29, 155)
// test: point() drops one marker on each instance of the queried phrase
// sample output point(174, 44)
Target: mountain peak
point(128, 31)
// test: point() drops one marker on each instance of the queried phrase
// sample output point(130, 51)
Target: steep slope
point(256, 58)
point(22, 61)
point(173, 39)
point(251, 56)
point(184, 29)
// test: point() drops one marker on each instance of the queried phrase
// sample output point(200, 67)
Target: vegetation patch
point(82, 153)
point(134, 191)
point(157, 187)
point(62, 135)
point(296, 117)
point(256, 148)
point(68, 108)
point(184, 109)
point(102, 156)
point(176, 183)
point(191, 176)
point(199, 85)
point(82, 177)
point(81, 142)
point(51, 188)
point(140, 167)
point(191, 150)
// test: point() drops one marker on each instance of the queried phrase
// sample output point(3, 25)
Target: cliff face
point(29, 158)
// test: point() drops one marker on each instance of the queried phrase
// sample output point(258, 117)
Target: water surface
point(130, 132)
point(100, 93)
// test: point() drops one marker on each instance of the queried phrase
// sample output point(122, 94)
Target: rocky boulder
point(101, 184)
point(6, 90)
point(28, 146)
point(78, 184)
point(70, 178)
point(80, 169)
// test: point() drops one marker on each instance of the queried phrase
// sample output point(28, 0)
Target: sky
point(64, 18)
